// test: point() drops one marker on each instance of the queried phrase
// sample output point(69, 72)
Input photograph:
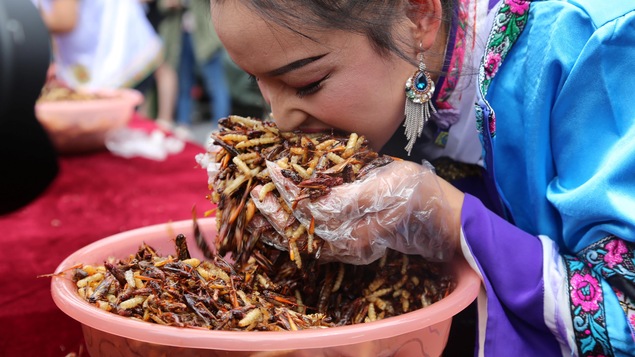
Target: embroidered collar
point(464, 51)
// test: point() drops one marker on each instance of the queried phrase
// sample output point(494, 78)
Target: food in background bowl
point(55, 93)
point(79, 121)
point(422, 332)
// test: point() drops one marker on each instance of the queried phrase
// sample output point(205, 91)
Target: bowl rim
point(65, 296)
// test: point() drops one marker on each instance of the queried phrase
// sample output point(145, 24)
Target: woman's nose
point(286, 117)
point(286, 110)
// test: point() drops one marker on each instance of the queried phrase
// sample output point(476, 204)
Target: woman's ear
point(427, 17)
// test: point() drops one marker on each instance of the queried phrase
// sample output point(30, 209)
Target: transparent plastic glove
point(399, 206)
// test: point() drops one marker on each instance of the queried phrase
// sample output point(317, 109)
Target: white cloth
point(156, 145)
point(113, 45)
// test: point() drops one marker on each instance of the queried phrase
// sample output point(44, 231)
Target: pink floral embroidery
point(615, 249)
point(492, 63)
point(585, 292)
point(518, 7)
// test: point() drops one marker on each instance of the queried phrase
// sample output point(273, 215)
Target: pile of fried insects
point(264, 287)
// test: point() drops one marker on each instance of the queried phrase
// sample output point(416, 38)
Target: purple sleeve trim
point(511, 263)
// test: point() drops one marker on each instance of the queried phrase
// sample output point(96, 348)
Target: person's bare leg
point(167, 89)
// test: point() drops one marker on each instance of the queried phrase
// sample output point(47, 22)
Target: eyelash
point(311, 88)
point(303, 91)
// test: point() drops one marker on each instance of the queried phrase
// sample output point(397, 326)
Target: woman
point(556, 130)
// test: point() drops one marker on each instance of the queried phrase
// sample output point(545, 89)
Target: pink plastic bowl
point(81, 125)
point(419, 333)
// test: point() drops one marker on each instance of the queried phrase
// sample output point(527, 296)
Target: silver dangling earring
point(419, 91)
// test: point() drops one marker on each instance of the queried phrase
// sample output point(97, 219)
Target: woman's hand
point(403, 206)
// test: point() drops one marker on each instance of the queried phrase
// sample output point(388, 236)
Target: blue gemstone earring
point(419, 91)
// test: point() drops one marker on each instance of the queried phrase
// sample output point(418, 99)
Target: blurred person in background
point(195, 50)
point(101, 44)
point(161, 97)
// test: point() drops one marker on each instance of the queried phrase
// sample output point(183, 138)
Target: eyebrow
point(294, 65)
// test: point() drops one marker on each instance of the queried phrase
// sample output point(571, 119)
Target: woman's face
point(325, 79)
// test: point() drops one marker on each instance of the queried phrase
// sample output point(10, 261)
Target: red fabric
point(94, 196)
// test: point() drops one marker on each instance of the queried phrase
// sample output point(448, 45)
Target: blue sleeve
point(593, 131)
point(565, 135)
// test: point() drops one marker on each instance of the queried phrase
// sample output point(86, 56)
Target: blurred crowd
point(167, 49)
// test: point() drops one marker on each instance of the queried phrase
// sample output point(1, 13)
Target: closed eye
point(311, 88)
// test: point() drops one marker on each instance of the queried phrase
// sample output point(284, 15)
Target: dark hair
point(376, 19)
